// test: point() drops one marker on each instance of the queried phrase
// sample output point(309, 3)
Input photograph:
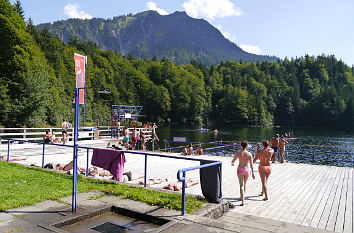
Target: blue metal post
point(76, 128)
point(145, 171)
point(184, 194)
point(43, 155)
point(87, 162)
point(8, 151)
point(313, 157)
point(221, 176)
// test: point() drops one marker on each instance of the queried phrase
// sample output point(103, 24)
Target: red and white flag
point(80, 69)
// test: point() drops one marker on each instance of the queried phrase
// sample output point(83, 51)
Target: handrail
point(183, 179)
point(131, 152)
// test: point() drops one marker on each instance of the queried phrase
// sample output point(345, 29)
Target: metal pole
point(111, 123)
point(8, 151)
point(76, 128)
point(145, 171)
point(313, 157)
point(184, 194)
point(43, 155)
point(87, 162)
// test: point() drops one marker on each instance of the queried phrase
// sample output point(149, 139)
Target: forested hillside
point(176, 36)
point(37, 85)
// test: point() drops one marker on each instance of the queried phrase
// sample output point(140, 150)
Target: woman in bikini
point(264, 168)
point(243, 170)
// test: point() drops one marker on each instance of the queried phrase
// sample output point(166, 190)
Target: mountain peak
point(176, 36)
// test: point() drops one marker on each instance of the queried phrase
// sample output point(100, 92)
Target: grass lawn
point(23, 186)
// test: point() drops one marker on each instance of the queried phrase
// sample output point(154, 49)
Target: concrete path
point(52, 216)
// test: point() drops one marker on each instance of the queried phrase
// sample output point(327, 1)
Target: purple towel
point(111, 160)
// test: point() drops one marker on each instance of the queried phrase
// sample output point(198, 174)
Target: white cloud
point(72, 11)
point(251, 49)
point(211, 8)
point(227, 35)
point(153, 6)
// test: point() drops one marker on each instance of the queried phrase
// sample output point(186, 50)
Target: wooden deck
point(310, 195)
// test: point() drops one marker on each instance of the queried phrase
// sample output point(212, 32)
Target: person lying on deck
point(153, 181)
point(12, 158)
point(177, 186)
point(129, 176)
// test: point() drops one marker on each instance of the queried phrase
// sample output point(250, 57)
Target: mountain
point(176, 36)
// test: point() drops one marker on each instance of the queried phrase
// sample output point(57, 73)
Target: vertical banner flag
point(80, 69)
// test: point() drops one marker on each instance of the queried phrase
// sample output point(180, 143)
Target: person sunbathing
point(177, 186)
point(129, 176)
point(70, 166)
point(12, 158)
point(153, 181)
point(96, 171)
point(55, 139)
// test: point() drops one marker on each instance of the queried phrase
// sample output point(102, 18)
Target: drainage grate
point(108, 227)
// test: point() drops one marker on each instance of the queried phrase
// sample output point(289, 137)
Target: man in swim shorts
point(274, 141)
point(126, 138)
point(134, 138)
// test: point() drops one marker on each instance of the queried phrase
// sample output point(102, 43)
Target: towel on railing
point(111, 160)
point(210, 181)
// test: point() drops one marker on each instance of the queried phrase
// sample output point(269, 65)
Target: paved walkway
point(53, 216)
point(310, 195)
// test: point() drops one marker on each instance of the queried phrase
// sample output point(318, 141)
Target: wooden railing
point(36, 134)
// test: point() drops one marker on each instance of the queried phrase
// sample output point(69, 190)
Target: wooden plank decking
point(310, 195)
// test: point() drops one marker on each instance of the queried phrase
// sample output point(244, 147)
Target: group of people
point(278, 145)
point(265, 154)
point(243, 171)
point(188, 150)
point(51, 138)
point(130, 140)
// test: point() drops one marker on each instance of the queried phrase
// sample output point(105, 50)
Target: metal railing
point(183, 179)
point(183, 170)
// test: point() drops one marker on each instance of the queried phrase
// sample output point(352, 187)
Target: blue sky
point(284, 28)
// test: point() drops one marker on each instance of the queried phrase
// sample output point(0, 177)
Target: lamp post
point(76, 134)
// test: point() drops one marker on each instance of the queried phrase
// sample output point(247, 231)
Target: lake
point(304, 139)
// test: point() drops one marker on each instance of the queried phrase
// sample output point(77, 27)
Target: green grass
point(23, 186)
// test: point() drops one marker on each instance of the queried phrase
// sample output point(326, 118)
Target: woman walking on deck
point(243, 170)
point(264, 168)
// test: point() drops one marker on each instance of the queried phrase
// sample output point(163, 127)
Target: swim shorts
point(126, 138)
point(275, 149)
point(134, 139)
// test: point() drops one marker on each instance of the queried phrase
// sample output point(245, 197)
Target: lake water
point(305, 144)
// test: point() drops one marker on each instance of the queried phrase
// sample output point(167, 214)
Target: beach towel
point(111, 160)
point(210, 182)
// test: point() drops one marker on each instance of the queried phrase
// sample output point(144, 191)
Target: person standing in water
point(264, 168)
point(243, 170)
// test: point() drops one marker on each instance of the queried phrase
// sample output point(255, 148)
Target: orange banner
point(80, 69)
